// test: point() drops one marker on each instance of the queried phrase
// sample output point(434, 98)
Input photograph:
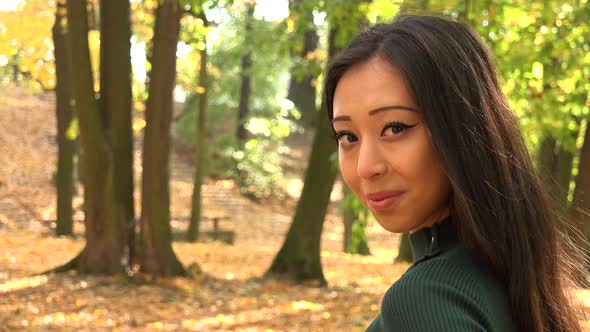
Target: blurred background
point(168, 165)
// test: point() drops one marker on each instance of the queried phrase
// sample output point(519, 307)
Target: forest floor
point(227, 296)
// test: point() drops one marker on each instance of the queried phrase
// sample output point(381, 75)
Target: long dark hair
point(499, 207)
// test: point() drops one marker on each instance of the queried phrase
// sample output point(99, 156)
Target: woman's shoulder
point(451, 291)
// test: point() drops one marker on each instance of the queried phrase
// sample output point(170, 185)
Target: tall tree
point(115, 107)
point(302, 91)
point(155, 254)
point(65, 115)
point(580, 209)
point(104, 250)
point(467, 13)
point(354, 217)
point(555, 161)
point(94, 14)
point(299, 256)
point(354, 214)
point(546, 161)
point(246, 85)
point(579, 213)
point(201, 130)
point(555, 164)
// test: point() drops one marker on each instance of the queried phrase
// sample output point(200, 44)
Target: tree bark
point(301, 90)
point(115, 106)
point(299, 256)
point(246, 66)
point(565, 162)
point(546, 159)
point(200, 148)
point(466, 14)
point(64, 113)
point(79, 156)
point(156, 255)
point(555, 162)
point(104, 246)
point(347, 220)
point(547, 166)
point(15, 70)
point(555, 169)
point(355, 237)
point(420, 5)
point(579, 214)
point(580, 209)
point(93, 14)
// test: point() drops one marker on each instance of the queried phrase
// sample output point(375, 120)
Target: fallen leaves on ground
point(224, 297)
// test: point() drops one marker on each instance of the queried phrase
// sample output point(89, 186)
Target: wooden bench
point(226, 236)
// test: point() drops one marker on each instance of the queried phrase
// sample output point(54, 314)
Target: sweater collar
point(430, 241)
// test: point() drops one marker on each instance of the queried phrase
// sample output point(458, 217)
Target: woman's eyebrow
point(341, 118)
point(392, 107)
point(375, 111)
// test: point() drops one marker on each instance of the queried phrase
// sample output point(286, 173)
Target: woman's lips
point(384, 200)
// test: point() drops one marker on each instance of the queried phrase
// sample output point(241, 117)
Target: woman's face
point(385, 154)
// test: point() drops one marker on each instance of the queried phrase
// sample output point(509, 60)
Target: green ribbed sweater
point(445, 289)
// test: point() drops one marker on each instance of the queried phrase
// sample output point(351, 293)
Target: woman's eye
point(395, 128)
point(345, 137)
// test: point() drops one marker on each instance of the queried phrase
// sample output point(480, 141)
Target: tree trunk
point(104, 246)
point(115, 106)
point(547, 164)
point(301, 90)
point(421, 5)
point(466, 14)
point(565, 162)
point(555, 161)
point(93, 15)
point(347, 220)
point(580, 209)
point(355, 224)
point(405, 250)
point(245, 87)
point(546, 158)
point(299, 257)
point(156, 255)
point(200, 148)
point(579, 214)
point(79, 156)
point(555, 169)
point(15, 70)
point(64, 113)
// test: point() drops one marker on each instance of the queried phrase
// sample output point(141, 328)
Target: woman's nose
point(371, 162)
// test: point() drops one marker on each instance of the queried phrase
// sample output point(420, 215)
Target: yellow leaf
point(538, 70)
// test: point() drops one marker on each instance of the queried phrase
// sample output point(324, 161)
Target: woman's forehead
point(371, 85)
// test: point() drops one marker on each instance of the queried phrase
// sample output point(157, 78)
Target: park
point(169, 165)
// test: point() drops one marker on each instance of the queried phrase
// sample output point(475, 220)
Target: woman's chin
point(393, 225)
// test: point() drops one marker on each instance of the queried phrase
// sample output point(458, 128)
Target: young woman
point(428, 143)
